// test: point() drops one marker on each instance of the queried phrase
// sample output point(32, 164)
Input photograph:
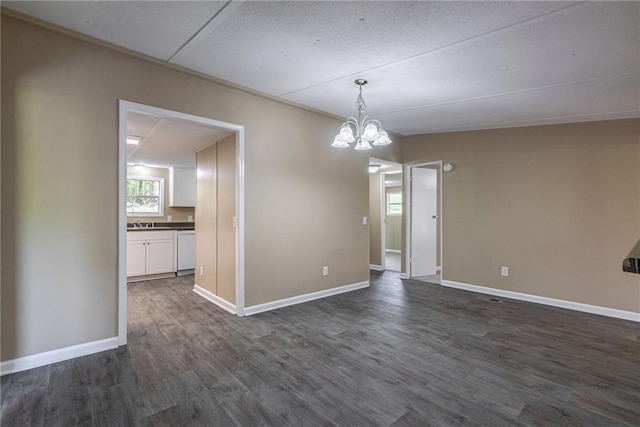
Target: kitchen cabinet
point(182, 187)
point(160, 256)
point(150, 252)
point(136, 258)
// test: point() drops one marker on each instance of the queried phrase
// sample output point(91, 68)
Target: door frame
point(407, 193)
point(125, 106)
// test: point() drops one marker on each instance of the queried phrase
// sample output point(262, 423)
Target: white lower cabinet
point(150, 252)
point(160, 256)
point(136, 258)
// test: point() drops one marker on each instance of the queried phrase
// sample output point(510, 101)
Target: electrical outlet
point(169, 218)
point(201, 271)
point(504, 271)
point(189, 218)
point(325, 270)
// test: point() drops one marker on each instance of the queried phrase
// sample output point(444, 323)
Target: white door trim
point(383, 229)
point(407, 193)
point(125, 106)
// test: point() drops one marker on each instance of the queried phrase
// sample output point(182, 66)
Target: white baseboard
point(577, 306)
point(393, 251)
point(260, 308)
point(224, 304)
point(58, 355)
point(404, 276)
point(375, 267)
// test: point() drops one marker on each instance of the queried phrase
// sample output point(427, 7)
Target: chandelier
point(363, 130)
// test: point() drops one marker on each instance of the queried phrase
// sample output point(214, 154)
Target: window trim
point(388, 204)
point(160, 201)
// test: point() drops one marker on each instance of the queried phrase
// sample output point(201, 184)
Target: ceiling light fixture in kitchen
point(133, 140)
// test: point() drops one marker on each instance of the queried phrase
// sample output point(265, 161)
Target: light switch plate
point(364, 220)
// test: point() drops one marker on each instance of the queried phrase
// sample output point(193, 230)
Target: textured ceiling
point(431, 66)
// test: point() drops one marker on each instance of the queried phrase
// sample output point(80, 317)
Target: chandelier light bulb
point(346, 134)
point(338, 143)
point(363, 145)
point(370, 132)
point(383, 139)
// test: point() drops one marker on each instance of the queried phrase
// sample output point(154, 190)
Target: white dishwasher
point(186, 252)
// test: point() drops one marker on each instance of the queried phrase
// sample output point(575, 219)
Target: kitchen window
point(145, 196)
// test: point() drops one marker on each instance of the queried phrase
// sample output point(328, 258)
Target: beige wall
point(206, 219)
point(59, 110)
point(177, 214)
point(559, 205)
point(393, 225)
point(226, 235)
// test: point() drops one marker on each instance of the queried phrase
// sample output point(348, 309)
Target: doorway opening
point(163, 200)
point(391, 230)
point(424, 221)
point(385, 206)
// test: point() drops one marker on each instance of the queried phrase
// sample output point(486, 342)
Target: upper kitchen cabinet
point(182, 187)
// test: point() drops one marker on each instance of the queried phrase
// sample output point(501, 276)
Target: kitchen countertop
point(162, 226)
point(631, 264)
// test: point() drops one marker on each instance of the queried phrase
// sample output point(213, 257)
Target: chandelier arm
point(365, 121)
point(353, 122)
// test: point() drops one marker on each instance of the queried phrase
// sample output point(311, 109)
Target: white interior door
point(424, 211)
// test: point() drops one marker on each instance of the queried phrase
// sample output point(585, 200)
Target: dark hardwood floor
point(398, 353)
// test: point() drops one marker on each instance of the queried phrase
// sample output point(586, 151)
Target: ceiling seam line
point(96, 43)
point(428, 52)
point(506, 93)
point(199, 30)
point(532, 121)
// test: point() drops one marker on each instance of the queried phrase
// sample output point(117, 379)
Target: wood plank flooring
point(400, 353)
